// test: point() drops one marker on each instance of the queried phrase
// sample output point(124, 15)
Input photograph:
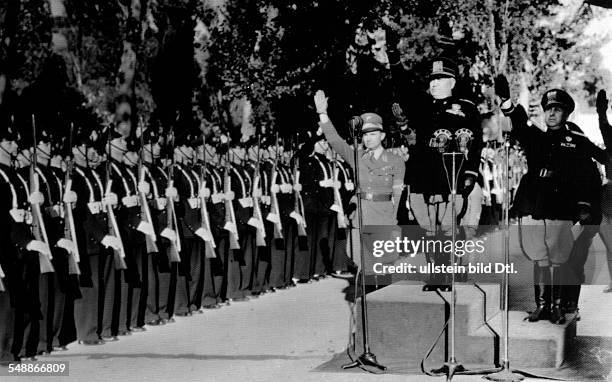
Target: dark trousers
point(24, 286)
point(87, 308)
point(7, 322)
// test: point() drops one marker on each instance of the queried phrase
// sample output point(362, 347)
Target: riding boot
point(556, 312)
point(437, 281)
point(541, 289)
point(572, 295)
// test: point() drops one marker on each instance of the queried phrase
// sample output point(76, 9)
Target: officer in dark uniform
point(446, 124)
point(553, 194)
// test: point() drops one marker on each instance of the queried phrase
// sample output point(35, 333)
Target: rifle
point(38, 224)
point(113, 228)
point(2, 289)
point(274, 215)
point(146, 224)
point(337, 206)
point(298, 203)
point(69, 227)
point(204, 232)
point(230, 217)
point(257, 219)
point(171, 230)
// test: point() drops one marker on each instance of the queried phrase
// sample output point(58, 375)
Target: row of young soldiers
point(132, 237)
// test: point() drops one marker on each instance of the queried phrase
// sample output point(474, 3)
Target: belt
point(376, 197)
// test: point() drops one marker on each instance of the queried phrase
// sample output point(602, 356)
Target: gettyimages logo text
point(412, 247)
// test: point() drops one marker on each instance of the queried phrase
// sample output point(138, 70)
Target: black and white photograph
point(305, 190)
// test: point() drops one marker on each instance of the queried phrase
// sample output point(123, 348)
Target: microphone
point(355, 124)
point(464, 139)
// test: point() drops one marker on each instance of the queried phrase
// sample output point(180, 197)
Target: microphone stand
point(506, 374)
point(451, 367)
point(367, 358)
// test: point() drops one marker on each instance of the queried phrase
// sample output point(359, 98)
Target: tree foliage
point(208, 58)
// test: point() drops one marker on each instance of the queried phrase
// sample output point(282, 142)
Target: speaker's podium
point(404, 321)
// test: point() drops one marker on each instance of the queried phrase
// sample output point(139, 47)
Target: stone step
point(404, 322)
point(533, 344)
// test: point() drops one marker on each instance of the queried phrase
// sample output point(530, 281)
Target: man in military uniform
point(159, 263)
point(242, 202)
point(381, 175)
point(317, 194)
point(188, 214)
point(216, 212)
point(344, 188)
point(57, 289)
point(20, 259)
point(552, 194)
point(279, 189)
point(119, 274)
point(92, 234)
point(446, 124)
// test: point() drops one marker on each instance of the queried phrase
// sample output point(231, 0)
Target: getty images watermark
point(407, 247)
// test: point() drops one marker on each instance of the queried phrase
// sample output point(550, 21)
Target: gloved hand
point(110, 199)
point(602, 102)
point(38, 246)
point(400, 117)
point(36, 198)
point(502, 88)
point(230, 195)
point(584, 213)
point(171, 192)
point(110, 241)
point(469, 181)
point(144, 187)
point(70, 197)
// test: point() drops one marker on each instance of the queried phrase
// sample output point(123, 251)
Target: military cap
point(371, 122)
point(442, 67)
point(558, 97)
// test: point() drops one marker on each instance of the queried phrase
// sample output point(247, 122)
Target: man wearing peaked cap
point(443, 67)
point(558, 97)
point(444, 124)
point(371, 122)
point(381, 177)
point(559, 188)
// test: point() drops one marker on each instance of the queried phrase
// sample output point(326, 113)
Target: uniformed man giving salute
point(553, 194)
point(381, 176)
